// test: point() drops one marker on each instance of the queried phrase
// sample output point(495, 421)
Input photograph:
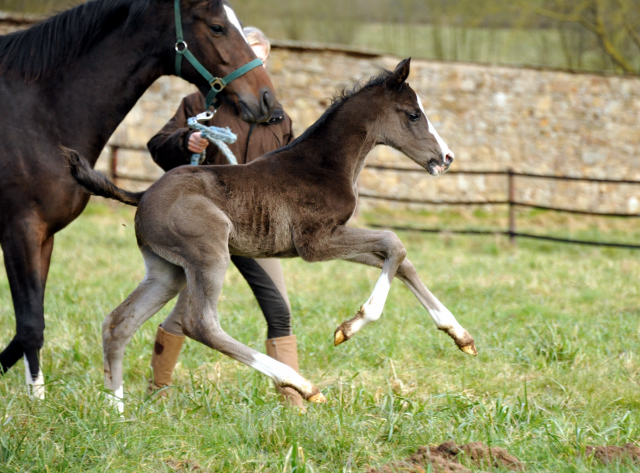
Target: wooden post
point(113, 163)
point(512, 209)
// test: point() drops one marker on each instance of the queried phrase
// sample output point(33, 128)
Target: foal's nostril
point(448, 159)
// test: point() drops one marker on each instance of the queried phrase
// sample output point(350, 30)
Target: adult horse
point(295, 201)
point(70, 81)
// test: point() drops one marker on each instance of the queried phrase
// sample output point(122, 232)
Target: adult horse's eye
point(217, 29)
point(414, 117)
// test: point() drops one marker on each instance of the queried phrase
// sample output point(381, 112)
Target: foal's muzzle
point(436, 168)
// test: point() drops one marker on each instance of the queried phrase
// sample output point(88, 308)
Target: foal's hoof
point(339, 337)
point(319, 397)
point(470, 349)
point(464, 342)
point(316, 396)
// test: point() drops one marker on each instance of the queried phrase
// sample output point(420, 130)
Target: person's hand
point(197, 144)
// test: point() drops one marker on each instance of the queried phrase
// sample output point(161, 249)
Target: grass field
point(557, 328)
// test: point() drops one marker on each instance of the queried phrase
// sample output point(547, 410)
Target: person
point(174, 146)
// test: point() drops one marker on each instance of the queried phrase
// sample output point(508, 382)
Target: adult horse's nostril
point(448, 159)
point(268, 103)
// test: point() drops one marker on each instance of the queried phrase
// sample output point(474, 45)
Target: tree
point(614, 23)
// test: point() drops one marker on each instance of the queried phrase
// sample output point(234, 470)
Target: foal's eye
point(414, 117)
point(217, 29)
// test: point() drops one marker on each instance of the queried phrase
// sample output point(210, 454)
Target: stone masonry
point(493, 118)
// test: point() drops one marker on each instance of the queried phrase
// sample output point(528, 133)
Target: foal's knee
point(394, 246)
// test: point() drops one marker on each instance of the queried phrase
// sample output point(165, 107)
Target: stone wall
point(493, 118)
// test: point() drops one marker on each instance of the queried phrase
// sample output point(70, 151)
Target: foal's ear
point(400, 74)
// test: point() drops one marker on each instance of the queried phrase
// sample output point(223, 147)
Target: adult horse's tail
point(95, 182)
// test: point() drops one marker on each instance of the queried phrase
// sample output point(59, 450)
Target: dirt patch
point(612, 453)
point(446, 458)
point(182, 466)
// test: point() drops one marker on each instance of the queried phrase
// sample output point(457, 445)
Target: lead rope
point(216, 135)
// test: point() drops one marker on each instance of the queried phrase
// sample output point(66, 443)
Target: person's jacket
point(169, 146)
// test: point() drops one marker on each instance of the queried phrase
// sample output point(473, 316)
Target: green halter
point(216, 83)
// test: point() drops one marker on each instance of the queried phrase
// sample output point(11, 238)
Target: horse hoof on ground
point(318, 397)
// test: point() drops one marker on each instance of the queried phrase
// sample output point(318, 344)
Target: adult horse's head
point(212, 33)
point(407, 128)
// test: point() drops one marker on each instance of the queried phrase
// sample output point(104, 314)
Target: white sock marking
point(443, 146)
point(279, 372)
point(233, 19)
point(443, 318)
point(35, 387)
point(373, 307)
point(116, 399)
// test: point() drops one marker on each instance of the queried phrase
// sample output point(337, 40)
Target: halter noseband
point(216, 83)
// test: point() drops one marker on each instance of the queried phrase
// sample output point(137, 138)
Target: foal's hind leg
point(442, 317)
point(205, 276)
point(162, 282)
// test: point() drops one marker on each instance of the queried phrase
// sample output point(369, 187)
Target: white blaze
point(443, 146)
point(233, 19)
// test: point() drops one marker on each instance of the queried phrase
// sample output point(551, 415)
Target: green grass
point(557, 328)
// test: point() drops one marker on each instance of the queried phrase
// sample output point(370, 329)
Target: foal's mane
point(338, 101)
point(35, 53)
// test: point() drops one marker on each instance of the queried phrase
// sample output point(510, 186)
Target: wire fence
point(512, 204)
point(510, 201)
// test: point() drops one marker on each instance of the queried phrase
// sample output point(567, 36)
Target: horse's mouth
point(435, 169)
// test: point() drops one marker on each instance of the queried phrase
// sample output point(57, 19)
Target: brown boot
point(165, 356)
point(285, 350)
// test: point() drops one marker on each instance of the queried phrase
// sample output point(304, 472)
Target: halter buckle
point(217, 84)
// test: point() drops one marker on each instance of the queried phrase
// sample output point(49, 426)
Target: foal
point(295, 201)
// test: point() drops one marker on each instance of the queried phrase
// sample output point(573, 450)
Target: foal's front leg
point(442, 317)
point(349, 243)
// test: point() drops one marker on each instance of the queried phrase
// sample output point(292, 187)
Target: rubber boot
point(285, 350)
point(165, 356)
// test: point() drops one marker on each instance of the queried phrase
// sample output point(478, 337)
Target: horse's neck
point(343, 142)
point(95, 93)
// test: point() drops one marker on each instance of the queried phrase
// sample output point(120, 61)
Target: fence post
point(113, 163)
point(512, 209)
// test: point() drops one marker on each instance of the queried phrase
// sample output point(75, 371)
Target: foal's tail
point(95, 182)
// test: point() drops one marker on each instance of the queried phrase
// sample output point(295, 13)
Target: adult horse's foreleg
point(442, 317)
point(162, 282)
point(27, 248)
point(200, 322)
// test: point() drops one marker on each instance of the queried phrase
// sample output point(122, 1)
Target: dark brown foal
point(295, 201)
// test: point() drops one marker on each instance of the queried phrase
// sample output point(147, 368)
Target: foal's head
point(404, 125)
